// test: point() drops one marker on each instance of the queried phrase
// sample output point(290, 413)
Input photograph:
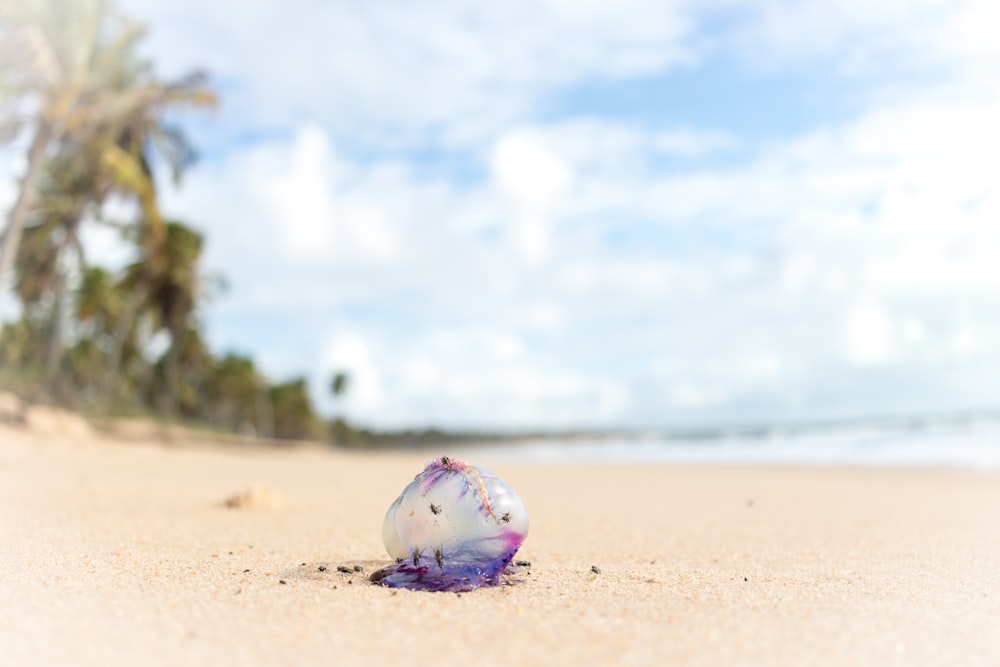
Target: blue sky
point(591, 214)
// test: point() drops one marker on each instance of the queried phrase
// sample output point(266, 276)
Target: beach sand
point(120, 551)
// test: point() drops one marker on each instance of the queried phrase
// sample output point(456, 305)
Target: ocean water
point(960, 443)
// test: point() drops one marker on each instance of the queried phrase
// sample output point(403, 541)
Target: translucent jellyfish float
point(455, 527)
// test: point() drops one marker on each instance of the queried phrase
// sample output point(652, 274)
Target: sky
point(575, 214)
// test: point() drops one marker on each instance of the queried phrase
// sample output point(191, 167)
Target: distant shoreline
point(948, 439)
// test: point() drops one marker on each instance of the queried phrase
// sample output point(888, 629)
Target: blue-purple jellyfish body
point(455, 527)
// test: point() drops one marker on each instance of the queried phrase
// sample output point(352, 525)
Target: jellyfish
point(455, 527)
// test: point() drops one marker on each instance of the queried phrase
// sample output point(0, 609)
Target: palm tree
point(294, 417)
point(99, 309)
point(233, 395)
point(74, 186)
point(42, 280)
point(75, 65)
point(192, 364)
point(339, 384)
point(338, 426)
point(98, 302)
point(171, 289)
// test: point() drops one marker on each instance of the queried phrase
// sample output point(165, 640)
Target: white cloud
point(300, 198)
point(496, 379)
point(527, 171)
point(458, 70)
point(350, 352)
point(688, 142)
point(530, 178)
point(866, 38)
point(869, 246)
point(867, 334)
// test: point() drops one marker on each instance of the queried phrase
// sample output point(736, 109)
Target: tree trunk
point(25, 202)
point(53, 355)
point(130, 311)
point(59, 296)
point(264, 412)
point(172, 376)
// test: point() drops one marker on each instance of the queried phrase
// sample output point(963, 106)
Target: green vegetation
point(94, 117)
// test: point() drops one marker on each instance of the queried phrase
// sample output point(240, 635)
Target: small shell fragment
point(455, 527)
